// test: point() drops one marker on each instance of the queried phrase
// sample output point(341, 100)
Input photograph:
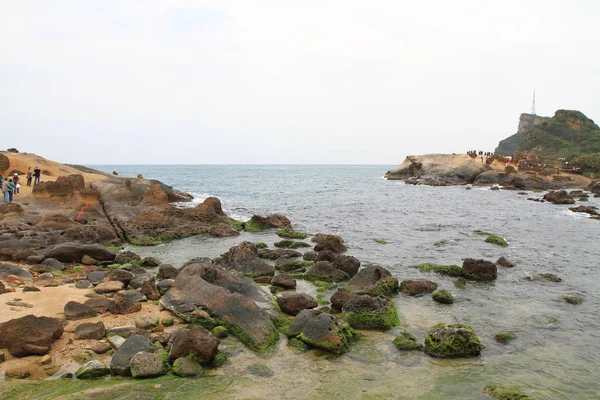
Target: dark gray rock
point(120, 363)
point(167, 271)
point(73, 252)
point(83, 284)
point(75, 311)
point(95, 277)
point(10, 269)
point(53, 264)
point(89, 330)
point(125, 257)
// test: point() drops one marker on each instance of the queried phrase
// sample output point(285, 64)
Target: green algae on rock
point(219, 332)
point(290, 244)
point(450, 270)
point(366, 312)
point(406, 342)
point(460, 283)
point(416, 287)
point(441, 243)
point(261, 245)
point(573, 299)
point(505, 337)
point(381, 241)
point(443, 297)
point(492, 238)
point(260, 370)
point(452, 341)
point(506, 393)
point(291, 234)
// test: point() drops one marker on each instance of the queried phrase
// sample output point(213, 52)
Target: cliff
point(511, 144)
point(567, 134)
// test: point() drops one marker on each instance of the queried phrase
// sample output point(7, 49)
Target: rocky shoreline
point(77, 308)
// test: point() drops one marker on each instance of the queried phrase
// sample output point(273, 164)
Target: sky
point(286, 82)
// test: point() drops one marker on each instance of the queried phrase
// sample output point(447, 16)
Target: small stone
point(167, 322)
point(504, 262)
point(83, 284)
point(19, 304)
point(109, 287)
point(31, 289)
point(146, 321)
point(116, 341)
point(101, 347)
point(87, 260)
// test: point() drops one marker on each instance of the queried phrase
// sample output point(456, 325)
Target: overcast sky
point(286, 82)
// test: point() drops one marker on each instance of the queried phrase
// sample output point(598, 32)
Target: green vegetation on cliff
point(568, 134)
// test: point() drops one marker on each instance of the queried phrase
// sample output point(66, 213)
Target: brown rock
point(504, 262)
point(293, 303)
point(87, 260)
point(109, 287)
point(30, 335)
point(416, 287)
point(149, 289)
point(195, 341)
point(479, 270)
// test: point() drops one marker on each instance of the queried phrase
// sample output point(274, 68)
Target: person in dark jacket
point(36, 175)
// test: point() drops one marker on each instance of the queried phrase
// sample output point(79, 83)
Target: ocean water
point(556, 352)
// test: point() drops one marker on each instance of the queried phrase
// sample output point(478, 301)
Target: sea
point(556, 350)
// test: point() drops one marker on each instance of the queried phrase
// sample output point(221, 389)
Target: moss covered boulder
point(244, 259)
point(290, 244)
point(406, 342)
point(287, 264)
point(187, 368)
point(479, 270)
point(289, 233)
point(506, 393)
point(322, 330)
point(417, 287)
point(452, 341)
point(449, 270)
point(367, 312)
point(374, 280)
point(325, 271)
point(443, 297)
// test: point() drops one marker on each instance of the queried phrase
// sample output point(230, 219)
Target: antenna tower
point(533, 105)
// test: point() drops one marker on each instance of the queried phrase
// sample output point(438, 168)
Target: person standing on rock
point(29, 176)
point(11, 190)
point(5, 190)
point(36, 175)
point(16, 181)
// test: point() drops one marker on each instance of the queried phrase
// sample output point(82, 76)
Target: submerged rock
point(479, 270)
point(504, 262)
point(559, 197)
point(367, 312)
point(417, 287)
point(452, 341)
point(406, 341)
point(322, 330)
point(443, 297)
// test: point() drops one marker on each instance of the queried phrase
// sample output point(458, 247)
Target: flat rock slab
point(109, 287)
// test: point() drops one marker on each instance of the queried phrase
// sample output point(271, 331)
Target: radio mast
point(533, 105)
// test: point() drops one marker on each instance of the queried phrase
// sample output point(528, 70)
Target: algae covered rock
point(506, 393)
point(374, 280)
point(147, 365)
point(367, 312)
point(443, 297)
point(322, 330)
point(407, 341)
point(260, 370)
point(449, 270)
point(92, 369)
point(452, 341)
point(479, 270)
point(187, 368)
point(417, 287)
point(505, 337)
point(293, 303)
point(325, 271)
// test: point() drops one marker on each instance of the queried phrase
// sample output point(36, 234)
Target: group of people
point(475, 153)
point(11, 185)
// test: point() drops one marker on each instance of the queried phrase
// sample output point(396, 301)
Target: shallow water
point(557, 349)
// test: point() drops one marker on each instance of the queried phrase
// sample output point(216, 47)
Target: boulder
point(194, 341)
point(149, 290)
point(322, 330)
point(149, 262)
point(277, 253)
point(100, 304)
point(87, 260)
point(125, 302)
point(126, 257)
point(348, 264)
point(288, 264)
point(74, 252)
point(559, 197)
point(146, 321)
point(284, 281)
point(334, 244)
point(373, 280)
point(339, 298)
point(90, 331)
point(443, 297)
point(452, 341)
point(231, 299)
point(95, 277)
point(120, 362)
point(187, 368)
point(479, 270)
point(406, 341)
point(293, 303)
point(119, 275)
point(75, 311)
point(164, 286)
point(244, 259)
point(367, 312)
point(417, 287)
point(258, 223)
point(167, 271)
point(504, 262)
point(147, 365)
point(92, 369)
point(30, 335)
point(470, 170)
point(325, 271)
point(53, 264)
point(10, 269)
point(109, 287)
